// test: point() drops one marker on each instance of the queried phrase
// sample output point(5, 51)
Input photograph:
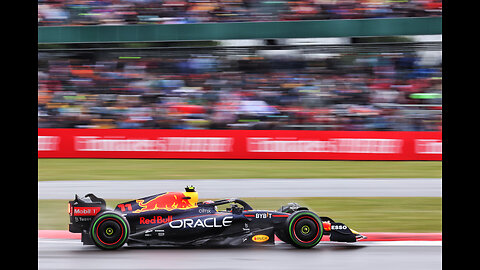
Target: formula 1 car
point(178, 219)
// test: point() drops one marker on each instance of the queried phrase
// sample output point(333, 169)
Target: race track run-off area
point(69, 253)
point(371, 237)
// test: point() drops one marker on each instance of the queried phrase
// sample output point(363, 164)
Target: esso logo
point(339, 227)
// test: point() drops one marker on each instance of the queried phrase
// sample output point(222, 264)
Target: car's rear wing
point(83, 210)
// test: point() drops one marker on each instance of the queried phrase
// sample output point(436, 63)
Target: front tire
point(304, 229)
point(109, 230)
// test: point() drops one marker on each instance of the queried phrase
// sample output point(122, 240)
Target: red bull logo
point(169, 201)
point(155, 220)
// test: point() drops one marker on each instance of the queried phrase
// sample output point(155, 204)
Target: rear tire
point(109, 230)
point(304, 229)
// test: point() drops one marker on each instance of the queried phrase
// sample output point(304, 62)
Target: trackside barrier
point(239, 144)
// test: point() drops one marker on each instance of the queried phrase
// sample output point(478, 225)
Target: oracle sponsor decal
point(210, 222)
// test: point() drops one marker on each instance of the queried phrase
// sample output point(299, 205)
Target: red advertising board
point(239, 144)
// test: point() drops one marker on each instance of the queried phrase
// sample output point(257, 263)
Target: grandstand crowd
point(122, 12)
point(368, 91)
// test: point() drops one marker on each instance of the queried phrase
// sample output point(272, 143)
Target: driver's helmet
point(190, 192)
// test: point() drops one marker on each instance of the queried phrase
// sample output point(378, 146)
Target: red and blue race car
point(178, 219)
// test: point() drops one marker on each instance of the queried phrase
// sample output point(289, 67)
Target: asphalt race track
point(71, 254)
point(241, 188)
point(372, 255)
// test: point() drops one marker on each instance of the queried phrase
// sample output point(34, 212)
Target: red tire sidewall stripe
point(318, 229)
point(109, 244)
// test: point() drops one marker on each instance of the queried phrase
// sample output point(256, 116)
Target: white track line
point(399, 243)
point(361, 243)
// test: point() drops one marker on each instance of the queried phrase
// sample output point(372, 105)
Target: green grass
point(364, 214)
point(380, 214)
point(152, 169)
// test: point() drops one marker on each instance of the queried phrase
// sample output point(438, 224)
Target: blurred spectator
point(121, 12)
point(205, 91)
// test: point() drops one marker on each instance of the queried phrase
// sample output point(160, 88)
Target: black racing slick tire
point(304, 229)
point(109, 230)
